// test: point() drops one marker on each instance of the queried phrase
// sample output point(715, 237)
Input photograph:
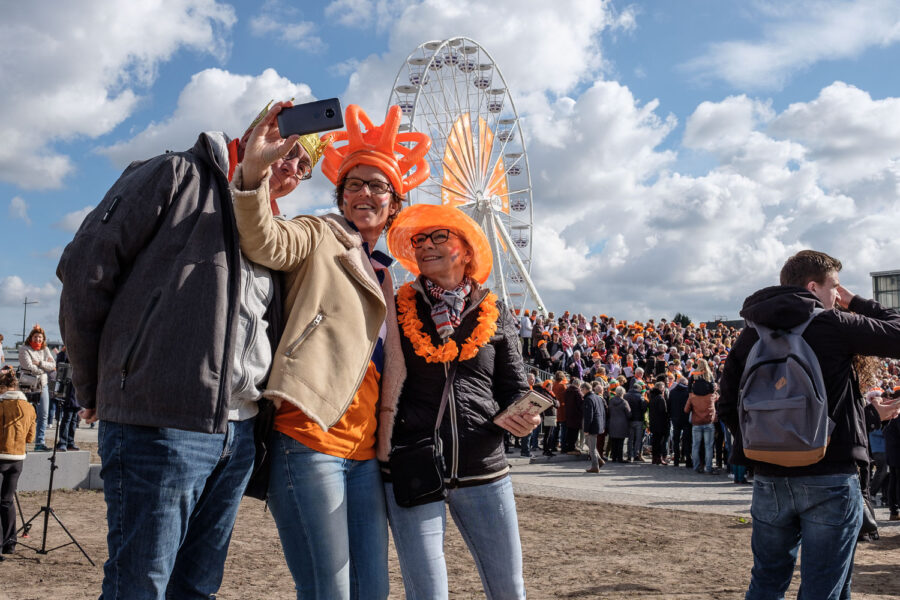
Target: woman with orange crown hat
point(339, 352)
point(461, 348)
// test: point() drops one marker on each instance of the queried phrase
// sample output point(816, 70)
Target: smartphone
point(528, 404)
point(312, 117)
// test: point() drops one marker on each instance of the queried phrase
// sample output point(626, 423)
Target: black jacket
point(637, 404)
point(659, 412)
point(483, 386)
point(835, 336)
point(574, 407)
point(594, 414)
point(678, 397)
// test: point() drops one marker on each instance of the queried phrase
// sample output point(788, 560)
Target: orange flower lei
point(421, 342)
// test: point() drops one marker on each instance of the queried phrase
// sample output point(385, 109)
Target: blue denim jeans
point(702, 434)
point(486, 518)
point(635, 438)
point(331, 520)
point(42, 411)
point(824, 514)
point(171, 500)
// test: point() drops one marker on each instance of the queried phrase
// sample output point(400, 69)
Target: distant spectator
point(618, 425)
point(659, 423)
point(638, 408)
point(37, 360)
point(17, 427)
point(594, 424)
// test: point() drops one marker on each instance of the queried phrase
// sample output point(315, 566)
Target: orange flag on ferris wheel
point(467, 165)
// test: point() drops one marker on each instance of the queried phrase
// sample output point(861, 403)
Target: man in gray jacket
point(170, 331)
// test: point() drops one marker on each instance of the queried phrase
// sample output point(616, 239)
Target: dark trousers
point(659, 443)
point(616, 447)
point(571, 438)
point(894, 490)
point(719, 445)
point(550, 438)
point(879, 477)
point(601, 443)
point(9, 478)
point(681, 444)
point(66, 424)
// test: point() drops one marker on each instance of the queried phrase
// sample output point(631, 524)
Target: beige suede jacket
point(17, 425)
point(334, 306)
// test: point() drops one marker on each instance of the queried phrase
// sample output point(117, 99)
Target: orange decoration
point(409, 322)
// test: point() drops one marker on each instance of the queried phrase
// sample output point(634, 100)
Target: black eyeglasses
point(304, 168)
point(437, 237)
point(376, 187)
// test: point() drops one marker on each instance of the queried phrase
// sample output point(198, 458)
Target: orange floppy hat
point(380, 147)
point(417, 217)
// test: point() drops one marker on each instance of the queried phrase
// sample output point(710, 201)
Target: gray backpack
point(783, 406)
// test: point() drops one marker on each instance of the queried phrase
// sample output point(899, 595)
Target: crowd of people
point(306, 378)
point(657, 382)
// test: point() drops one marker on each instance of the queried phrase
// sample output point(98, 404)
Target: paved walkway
point(639, 484)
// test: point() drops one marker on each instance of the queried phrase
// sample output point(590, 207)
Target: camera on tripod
point(63, 382)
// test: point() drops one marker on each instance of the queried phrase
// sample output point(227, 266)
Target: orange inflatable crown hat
point(380, 147)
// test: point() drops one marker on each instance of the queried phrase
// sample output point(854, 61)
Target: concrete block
point(72, 471)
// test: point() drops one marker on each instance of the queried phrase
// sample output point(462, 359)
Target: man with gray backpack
point(789, 396)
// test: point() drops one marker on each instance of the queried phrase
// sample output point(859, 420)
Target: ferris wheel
point(454, 91)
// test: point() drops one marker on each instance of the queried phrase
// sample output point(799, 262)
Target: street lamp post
point(25, 316)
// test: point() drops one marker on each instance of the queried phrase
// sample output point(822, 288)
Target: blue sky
point(679, 150)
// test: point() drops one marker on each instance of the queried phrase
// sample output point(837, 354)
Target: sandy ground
point(572, 549)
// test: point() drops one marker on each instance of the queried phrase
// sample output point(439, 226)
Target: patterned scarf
point(446, 312)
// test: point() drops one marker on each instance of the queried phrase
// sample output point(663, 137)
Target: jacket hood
point(13, 395)
point(213, 145)
point(779, 306)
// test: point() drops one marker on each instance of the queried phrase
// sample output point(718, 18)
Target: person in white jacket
point(35, 359)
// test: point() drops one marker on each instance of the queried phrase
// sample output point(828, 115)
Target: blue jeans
point(704, 434)
point(171, 500)
point(486, 518)
point(331, 520)
point(42, 410)
point(821, 512)
point(635, 438)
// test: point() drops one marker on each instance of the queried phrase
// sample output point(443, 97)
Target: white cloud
point(77, 70)
point(213, 100)
point(13, 291)
point(539, 47)
point(300, 35)
point(851, 136)
point(797, 35)
point(72, 221)
point(365, 14)
point(18, 209)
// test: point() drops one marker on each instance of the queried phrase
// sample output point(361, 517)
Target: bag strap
point(445, 396)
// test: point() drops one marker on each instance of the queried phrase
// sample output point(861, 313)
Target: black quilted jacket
point(483, 386)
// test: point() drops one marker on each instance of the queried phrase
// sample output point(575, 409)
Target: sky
point(679, 150)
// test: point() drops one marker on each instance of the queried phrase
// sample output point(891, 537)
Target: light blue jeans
point(171, 500)
point(821, 512)
point(705, 434)
point(43, 409)
point(486, 518)
point(331, 520)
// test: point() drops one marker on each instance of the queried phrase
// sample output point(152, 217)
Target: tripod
point(47, 510)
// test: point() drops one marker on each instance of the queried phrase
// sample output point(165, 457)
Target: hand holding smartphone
point(312, 117)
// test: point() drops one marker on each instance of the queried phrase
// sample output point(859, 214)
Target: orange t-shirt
point(352, 437)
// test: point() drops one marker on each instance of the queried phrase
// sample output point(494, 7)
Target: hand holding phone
point(312, 117)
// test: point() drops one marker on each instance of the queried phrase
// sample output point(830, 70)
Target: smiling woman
point(339, 349)
point(461, 349)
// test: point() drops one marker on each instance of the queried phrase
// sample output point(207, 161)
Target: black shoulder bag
point(417, 468)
